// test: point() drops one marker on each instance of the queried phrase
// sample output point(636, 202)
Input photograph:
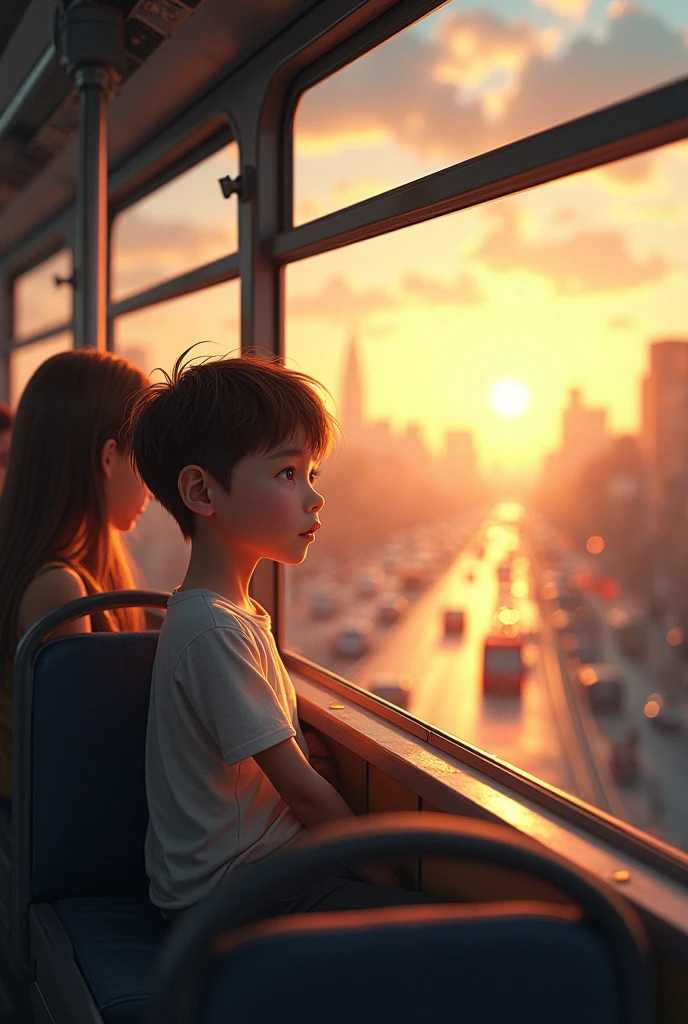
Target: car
point(414, 576)
point(324, 603)
point(354, 639)
point(581, 647)
point(391, 687)
point(369, 582)
point(664, 716)
point(625, 759)
point(503, 668)
point(454, 622)
point(604, 684)
point(392, 607)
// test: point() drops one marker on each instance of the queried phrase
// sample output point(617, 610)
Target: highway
point(551, 733)
point(446, 673)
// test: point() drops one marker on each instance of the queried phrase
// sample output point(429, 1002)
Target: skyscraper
point(664, 440)
point(352, 393)
point(584, 433)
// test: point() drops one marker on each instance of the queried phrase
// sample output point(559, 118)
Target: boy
point(231, 449)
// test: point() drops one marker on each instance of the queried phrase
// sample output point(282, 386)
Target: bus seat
point(582, 962)
point(484, 964)
point(81, 916)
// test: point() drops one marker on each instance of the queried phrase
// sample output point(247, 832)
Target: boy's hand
point(320, 757)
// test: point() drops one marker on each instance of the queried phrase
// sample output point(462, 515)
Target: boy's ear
point(195, 490)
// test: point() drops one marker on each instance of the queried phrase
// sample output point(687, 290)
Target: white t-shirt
point(220, 694)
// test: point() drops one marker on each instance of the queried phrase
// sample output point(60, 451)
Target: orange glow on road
point(654, 705)
point(675, 637)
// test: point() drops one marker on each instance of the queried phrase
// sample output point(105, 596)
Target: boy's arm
point(319, 756)
point(311, 798)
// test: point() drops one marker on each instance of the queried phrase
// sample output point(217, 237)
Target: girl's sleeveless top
point(99, 624)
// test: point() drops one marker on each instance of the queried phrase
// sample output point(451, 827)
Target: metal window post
point(90, 44)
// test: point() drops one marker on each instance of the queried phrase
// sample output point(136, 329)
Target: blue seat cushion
point(492, 968)
point(116, 941)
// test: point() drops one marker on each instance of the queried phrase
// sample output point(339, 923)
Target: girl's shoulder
point(54, 584)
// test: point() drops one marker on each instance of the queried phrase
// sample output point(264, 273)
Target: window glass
point(470, 77)
point(155, 337)
point(25, 361)
point(38, 302)
point(512, 381)
point(179, 227)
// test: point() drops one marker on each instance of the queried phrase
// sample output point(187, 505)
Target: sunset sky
point(557, 287)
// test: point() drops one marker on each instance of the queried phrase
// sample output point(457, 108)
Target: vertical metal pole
point(259, 126)
point(91, 210)
point(89, 40)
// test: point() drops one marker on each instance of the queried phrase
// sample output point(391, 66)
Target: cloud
point(631, 172)
point(337, 300)
point(575, 9)
point(462, 291)
point(425, 93)
point(590, 261)
point(139, 238)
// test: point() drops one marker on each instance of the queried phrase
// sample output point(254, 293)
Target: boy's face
point(272, 510)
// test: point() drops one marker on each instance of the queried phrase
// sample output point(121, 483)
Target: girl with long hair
point(70, 491)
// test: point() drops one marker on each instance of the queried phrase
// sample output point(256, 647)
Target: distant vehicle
point(392, 607)
point(369, 582)
point(454, 622)
point(604, 685)
point(391, 687)
point(503, 668)
point(662, 715)
point(504, 573)
point(581, 647)
point(324, 603)
point(354, 639)
point(414, 576)
point(630, 637)
point(626, 759)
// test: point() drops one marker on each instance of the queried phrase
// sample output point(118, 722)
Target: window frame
point(163, 163)
point(636, 124)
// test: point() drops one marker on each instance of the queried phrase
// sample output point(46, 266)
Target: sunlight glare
point(509, 398)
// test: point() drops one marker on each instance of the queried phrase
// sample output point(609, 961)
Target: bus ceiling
point(39, 110)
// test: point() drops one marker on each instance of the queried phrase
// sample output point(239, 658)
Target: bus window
point(474, 441)
point(40, 304)
point(156, 335)
point(178, 227)
point(27, 358)
point(473, 76)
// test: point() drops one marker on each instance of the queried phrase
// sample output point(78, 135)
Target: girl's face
point(125, 492)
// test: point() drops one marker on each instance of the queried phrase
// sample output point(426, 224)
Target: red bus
point(503, 668)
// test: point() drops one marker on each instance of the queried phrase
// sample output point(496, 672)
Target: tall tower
point(352, 393)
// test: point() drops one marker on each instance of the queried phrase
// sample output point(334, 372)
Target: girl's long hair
point(53, 504)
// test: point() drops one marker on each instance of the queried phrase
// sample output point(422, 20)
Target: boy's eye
point(289, 473)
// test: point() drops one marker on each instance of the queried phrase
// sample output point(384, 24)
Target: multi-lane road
point(549, 732)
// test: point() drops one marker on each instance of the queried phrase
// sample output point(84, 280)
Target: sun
point(509, 398)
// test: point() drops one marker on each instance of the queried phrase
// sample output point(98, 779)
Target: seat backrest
point(88, 801)
point(474, 963)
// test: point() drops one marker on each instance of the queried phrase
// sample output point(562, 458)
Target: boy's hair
point(6, 417)
point(213, 414)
